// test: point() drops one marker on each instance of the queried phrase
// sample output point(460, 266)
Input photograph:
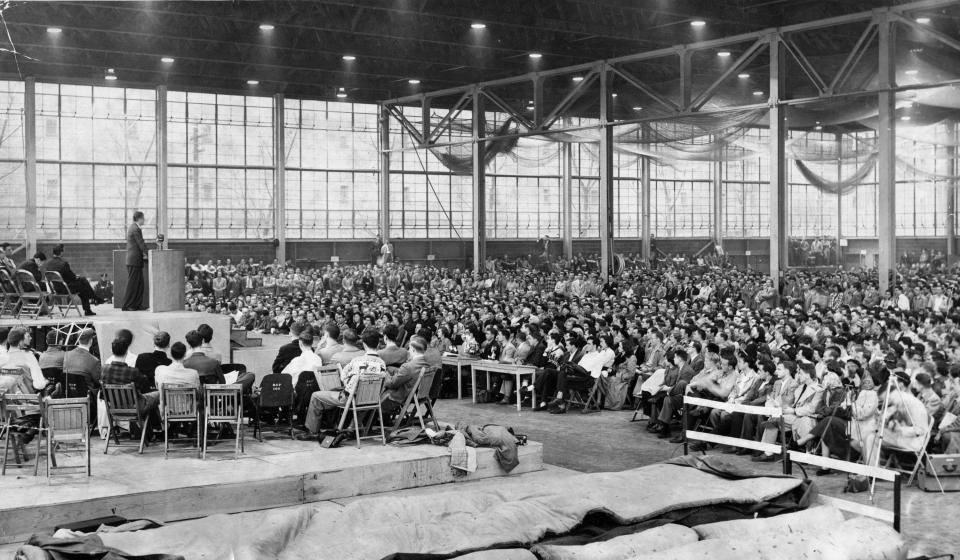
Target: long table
point(458, 362)
point(519, 371)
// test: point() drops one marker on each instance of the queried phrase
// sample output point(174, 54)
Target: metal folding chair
point(365, 397)
point(9, 295)
point(32, 297)
point(67, 421)
point(894, 453)
point(181, 404)
point(223, 404)
point(123, 406)
point(60, 296)
point(12, 406)
point(276, 393)
point(419, 396)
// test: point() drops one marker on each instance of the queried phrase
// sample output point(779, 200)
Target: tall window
point(813, 210)
point(746, 190)
point(12, 177)
point(682, 204)
point(96, 160)
point(332, 159)
point(923, 180)
point(220, 174)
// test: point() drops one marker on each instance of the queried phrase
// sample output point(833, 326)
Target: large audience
point(852, 369)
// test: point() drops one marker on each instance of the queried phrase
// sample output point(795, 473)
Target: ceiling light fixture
point(905, 118)
point(923, 20)
point(723, 54)
point(348, 57)
point(167, 59)
point(613, 95)
point(638, 108)
point(911, 72)
point(341, 93)
point(253, 82)
point(110, 77)
point(535, 55)
point(697, 23)
point(478, 25)
point(413, 81)
point(109, 70)
point(266, 27)
point(757, 93)
point(818, 127)
point(54, 30)
point(743, 76)
point(578, 78)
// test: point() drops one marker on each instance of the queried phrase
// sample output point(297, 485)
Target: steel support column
point(479, 185)
point(778, 166)
point(30, 165)
point(645, 196)
point(886, 164)
point(279, 180)
point(606, 174)
point(384, 174)
point(163, 213)
point(952, 153)
point(718, 216)
point(567, 199)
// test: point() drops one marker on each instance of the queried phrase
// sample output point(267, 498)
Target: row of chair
point(21, 294)
point(62, 422)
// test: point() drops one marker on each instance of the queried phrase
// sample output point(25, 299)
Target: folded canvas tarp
point(450, 523)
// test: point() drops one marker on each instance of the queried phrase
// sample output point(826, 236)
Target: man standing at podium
point(136, 259)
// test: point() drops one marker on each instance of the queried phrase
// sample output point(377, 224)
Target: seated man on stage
point(366, 365)
point(119, 373)
point(397, 385)
point(78, 284)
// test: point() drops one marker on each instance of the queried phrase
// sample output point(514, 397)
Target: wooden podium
point(166, 278)
point(163, 273)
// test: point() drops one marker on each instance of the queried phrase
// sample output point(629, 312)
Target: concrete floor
point(608, 441)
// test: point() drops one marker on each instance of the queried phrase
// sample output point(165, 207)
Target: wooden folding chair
point(223, 404)
point(276, 393)
point(328, 377)
point(9, 295)
point(365, 397)
point(122, 406)
point(181, 404)
point(894, 453)
point(60, 296)
point(67, 420)
point(33, 299)
point(419, 396)
point(12, 406)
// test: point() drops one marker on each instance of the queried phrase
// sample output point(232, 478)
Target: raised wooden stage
point(278, 472)
point(143, 324)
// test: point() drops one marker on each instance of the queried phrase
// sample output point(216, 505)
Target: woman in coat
point(624, 371)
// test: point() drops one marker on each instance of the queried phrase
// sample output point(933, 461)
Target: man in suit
point(397, 385)
point(119, 373)
point(329, 344)
point(148, 362)
point(80, 361)
point(290, 350)
point(392, 354)
point(136, 259)
point(351, 349)
point(207, 368)
point(78, 285)
point(35, 265)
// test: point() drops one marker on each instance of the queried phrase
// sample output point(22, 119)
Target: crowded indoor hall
point(560, 280)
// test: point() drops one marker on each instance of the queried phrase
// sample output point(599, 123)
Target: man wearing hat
point(52, 357)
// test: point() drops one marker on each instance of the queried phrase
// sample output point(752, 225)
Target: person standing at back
point(136, 259)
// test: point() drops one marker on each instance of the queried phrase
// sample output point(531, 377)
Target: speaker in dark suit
point(136, 259)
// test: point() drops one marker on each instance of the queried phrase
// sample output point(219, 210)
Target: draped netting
point(925, 130)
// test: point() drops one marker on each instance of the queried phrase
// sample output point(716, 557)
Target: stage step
point(241, 338)
point(275, 473)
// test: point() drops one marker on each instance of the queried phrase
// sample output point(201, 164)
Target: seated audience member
point(81, 362)
point(800, 415)
point(329, 344)
point(399, 383)
point(104, 289)
point(129, 358)
point(624, 372)
point(78, 285)
point(206, 367)
point(591, 365)
point(175, 373)
point(362, 366)
point(905, 422)
point(20, 356)
point(148, 362)
point(391, 353)
point(119, 373)
point(35, 266)
point(52, 357)
point(206, 333)
point(351, 349)
point(290, 350)
point(674, 387)
point(307, 360)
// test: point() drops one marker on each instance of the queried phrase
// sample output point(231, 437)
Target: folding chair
point(894, 454)
point(60, 295)
point(419, 395)
point(365, 397)
point(223, 404)
point(181, 404)
point(67, 420)
point(123, 406)
point(306, 386)
point(276, 392)
point(12, 406)
point(9, 295)
point(329, 377)
point(32, 297)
